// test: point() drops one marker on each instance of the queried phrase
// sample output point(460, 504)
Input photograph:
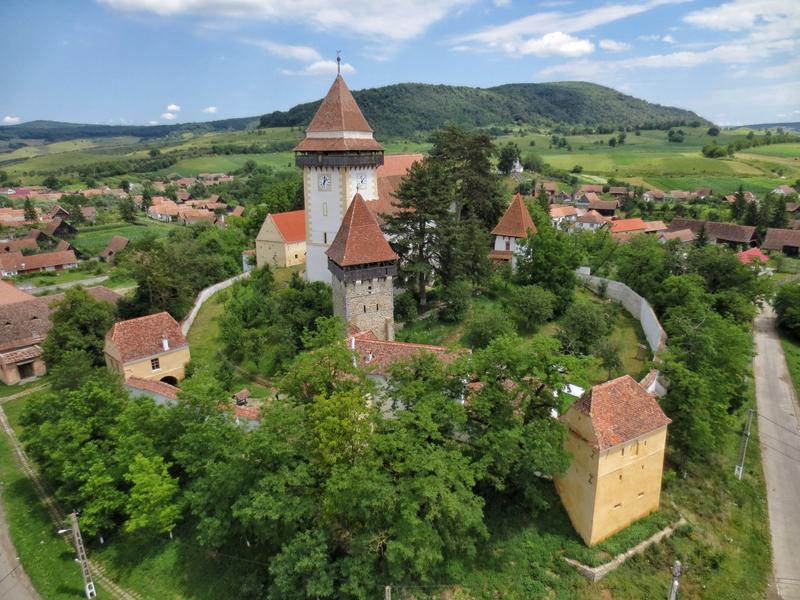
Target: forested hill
point(405, 108)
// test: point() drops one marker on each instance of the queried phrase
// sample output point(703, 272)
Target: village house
point(703, 192)
point(616, 434)
point(623, 229)
point(783, 240)
point(684, 236)
point(583, 199)
point(589, 188)
point(24, 324)
point(562, 215)
point(784, 190)
point(550, 188)
point(89, 213)
point(619, 191)
point(654, 227)
point(115, 244)
point(654, 195)
point(151, 347)
point(281, 241)
point(591, 220)
point(607, 208)
point(59, 228)
point(363, 267)
point(190, 216)
point(15, 263)
point(717, 233)
point(748, 197)
point(58, 212)
point(18, 245)
point(514, 226)
point(164, 210)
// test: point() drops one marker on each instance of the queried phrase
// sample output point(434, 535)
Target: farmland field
point(92, 240)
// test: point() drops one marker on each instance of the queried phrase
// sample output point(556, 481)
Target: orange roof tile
point(516, 222)
point(625, 225)
point(9, 294)
point(155, 387)
point(377, 356)
point(142, 337)
point(592, 216)
point(291, 225)
point(339, 111)
point(620, 411)
point(359, 240)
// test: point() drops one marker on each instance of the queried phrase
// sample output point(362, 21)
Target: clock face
point(324, 182)
point(362, 180)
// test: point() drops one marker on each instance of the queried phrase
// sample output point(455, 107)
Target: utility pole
point(739, 470)
point(82, 560)
point(676, 575)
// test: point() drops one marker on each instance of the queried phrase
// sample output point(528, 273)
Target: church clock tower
point(339, 158)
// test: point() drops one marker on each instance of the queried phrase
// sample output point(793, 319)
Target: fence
point(637, 306)
point(204, 295)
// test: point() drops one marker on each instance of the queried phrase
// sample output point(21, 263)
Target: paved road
point(88, 282)
point(14, 583)
point(779, 436)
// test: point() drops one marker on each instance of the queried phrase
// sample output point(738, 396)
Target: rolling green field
point(93, 240)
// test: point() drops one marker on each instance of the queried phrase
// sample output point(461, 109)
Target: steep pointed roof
point(516, 222)
point(359, 240)
point(339, 111)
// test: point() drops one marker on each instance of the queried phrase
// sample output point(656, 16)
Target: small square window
point(155, 365)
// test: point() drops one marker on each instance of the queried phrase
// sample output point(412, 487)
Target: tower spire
point(338, 62)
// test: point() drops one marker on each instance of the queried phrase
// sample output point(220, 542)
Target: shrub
point(405, 307)
point(531, 306)
point(787, 306)
point(585, 324)
point(485, 325)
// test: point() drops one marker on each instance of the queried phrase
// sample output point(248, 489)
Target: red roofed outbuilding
point(151, 347)
point(616, 435)
point(281, 241)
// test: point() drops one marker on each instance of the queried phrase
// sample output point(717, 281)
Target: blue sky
point(170, 61)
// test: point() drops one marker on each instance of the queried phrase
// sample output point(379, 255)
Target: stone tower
point(362, 266)
point(339, 158)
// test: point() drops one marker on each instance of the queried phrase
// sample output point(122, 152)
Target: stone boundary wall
point(203, 297)
point(637, 306)
point(595, 574)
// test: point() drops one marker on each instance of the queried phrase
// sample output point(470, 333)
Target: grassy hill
point(406, 108)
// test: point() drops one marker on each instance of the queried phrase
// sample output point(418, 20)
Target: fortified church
point(344, 198)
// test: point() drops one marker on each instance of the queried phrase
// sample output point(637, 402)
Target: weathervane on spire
point(338, 62)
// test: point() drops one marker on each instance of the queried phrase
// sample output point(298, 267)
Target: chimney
point(165, 343)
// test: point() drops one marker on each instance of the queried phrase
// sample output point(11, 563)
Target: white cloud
point(740, 15)
point(173, 108)
point(304, 53)
point(613, 45)
point(555, 43)
point(9, 120)
point(510, 36)
point(168, 116)
point(209, 109)
point(657, 38)
point(393, 20)
point(152, 123)
point(501, 3)
point(320, 67)
point(668, 39)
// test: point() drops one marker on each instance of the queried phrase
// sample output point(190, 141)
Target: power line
point(779, 440)
point(794, 458)
point(793, 432)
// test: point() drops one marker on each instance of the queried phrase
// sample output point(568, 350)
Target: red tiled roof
point(338, 111)
point(359, 240)
point(592, 216)
point(654, 226)
point(751, 255)
point(558, 211)
point(397, 164)
point(596, 203)
point(139, 338)
point(242, 394)
point(15, 261)
point(684, 235)
point(516, 222)
point(115, 244)
point(291, 225)
point(620, 411)
point(9, 294)
point(27, 243)
point(590, 187)
point(156, 387)
point(15, 356)
point(237, 211)
point(251, 413)
point(390, 174)
point(627, 225)
point(778, 239)
point(727, 232)
point(377, 356)
point(501, 254)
